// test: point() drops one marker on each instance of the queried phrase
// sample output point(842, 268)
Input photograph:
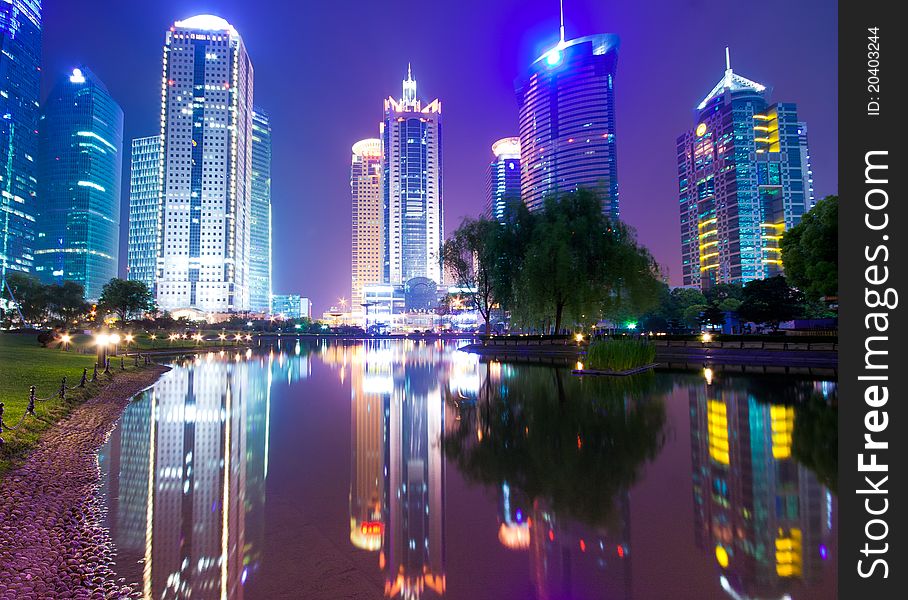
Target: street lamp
point(65, 338)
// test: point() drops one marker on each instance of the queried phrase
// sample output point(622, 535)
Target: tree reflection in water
point(573, 443)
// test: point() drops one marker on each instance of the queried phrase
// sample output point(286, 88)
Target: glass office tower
point(260, 224)
point(412, 208)
point(743, 179)
point(567, 122)
point(144, 204)
point(206, 129)
point(20, 82)
point(504, 179)
point(81, 154)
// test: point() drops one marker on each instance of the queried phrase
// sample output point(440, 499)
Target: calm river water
point(411, 470)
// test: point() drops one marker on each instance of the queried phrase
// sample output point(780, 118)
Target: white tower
point(206, 130)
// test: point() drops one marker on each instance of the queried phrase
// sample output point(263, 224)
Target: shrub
point(619, 355)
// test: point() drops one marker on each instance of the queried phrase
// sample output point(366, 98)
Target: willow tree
point(470, 255)
point(580, 266)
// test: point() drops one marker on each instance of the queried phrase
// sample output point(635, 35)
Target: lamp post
point(65, 338)
point(101, 341)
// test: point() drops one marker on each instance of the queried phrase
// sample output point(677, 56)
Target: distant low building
point(291, 306)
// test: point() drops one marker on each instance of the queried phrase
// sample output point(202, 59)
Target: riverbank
point(736, 353)
point(52, 541)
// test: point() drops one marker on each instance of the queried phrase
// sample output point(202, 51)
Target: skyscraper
point(504, 178)
point(260, 225)
point(20, 82)
point(365, 190)
point(144, 206)
point(742, 181)
point(206, 128)
point(567, 121)
point(412, 208)
point(79, 166)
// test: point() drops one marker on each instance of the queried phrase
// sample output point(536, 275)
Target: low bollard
point(31, 400)
point(1, 423)
point(94, 373)
point(122, 365)
point(84, 377)
point(107, 366)
point(63, 389)
point(135, 360)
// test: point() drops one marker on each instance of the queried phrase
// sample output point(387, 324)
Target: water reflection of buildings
point(764, 518)
point(191, 459)
point(397, 478)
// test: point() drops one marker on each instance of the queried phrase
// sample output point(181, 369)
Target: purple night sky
point(323, 68)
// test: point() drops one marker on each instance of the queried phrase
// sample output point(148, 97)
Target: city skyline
point(311, 198)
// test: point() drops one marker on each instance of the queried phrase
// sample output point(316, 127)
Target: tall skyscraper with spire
point(20, 87)
point(79, 167)
point(206, 165)
point(743, 179)
point(365, 190)
point(567, 121)
point(412, 206)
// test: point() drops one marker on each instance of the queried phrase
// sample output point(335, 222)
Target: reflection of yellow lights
point(788, 554)
point(579, 366)
point(515, 536)
point(708, 374)
point(722, 556)
point(706, 337)
point(717, 429)
point(701, 129)
point(782, 426)
point(578, 337)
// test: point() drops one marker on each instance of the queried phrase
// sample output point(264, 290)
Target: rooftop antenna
point(561, 4)
point(727, 60)
point(410, 76)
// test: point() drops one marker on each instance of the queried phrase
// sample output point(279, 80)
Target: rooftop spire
point(727, 60)
point(409, 97)
point(561, 10)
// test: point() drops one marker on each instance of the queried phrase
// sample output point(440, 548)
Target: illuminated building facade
point(144, 199)
point(761, 516)
point(743, 179)
point(411, 180)
point(504, 179)
point(567, 122)
point(20, 87)
point(365, 190)
point(79, 169)
point(260, 223)
point(206, 128)
point(291, 306)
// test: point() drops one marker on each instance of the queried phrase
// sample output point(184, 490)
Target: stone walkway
point(52, 540)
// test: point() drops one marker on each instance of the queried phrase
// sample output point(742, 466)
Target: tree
point(30, 296)
point(810, 250)
point(771, 301)
point(579, 266)
point(125, 298)
point(470, 255)
point(67, 301)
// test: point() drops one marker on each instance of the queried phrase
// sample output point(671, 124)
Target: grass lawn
point(23, 363)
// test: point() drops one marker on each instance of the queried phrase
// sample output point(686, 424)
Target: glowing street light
point(66, 339)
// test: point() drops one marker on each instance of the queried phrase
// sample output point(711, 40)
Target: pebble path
point(53, 543)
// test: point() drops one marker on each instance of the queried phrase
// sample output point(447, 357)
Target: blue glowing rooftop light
point(553, 57)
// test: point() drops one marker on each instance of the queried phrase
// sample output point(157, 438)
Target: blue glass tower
point(81, 145)
point(260, 224)
point(412, 208)
point(567, 122)
point(144, 206)
point(504, 179)
point(743, 179)
point(20, 79)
